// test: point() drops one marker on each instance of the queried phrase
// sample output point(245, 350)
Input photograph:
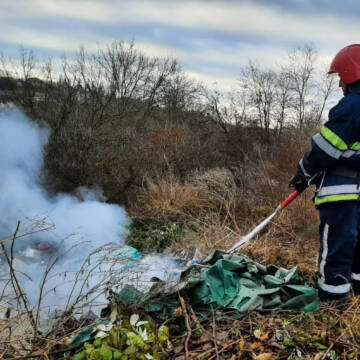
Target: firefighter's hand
point(299, 182)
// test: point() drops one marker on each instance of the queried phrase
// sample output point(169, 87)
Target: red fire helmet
point(347, 64)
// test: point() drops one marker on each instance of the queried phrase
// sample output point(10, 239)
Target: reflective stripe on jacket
point(337, 144)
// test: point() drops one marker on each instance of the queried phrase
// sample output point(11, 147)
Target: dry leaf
point(182, 302)
point(134, 318)
point(180, 357)
point(255, 345)
point(178, 312)
point(67, 341)
point(242, 344)
point(260, 335)
point(264, 356)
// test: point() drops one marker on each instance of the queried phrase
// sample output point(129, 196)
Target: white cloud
point(223, 83)
point(242, 18)
point(221, 64)
point(65, 42)
point(218, 60)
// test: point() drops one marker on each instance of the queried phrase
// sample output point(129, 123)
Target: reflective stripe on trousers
point(335, 289)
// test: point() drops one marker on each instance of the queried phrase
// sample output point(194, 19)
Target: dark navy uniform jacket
point(337, 145)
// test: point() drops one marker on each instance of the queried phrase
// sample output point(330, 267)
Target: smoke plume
point(72, 226)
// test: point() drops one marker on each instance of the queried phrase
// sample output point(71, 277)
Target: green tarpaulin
point(230, 281)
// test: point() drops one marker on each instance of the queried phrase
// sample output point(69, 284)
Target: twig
point(188, 327)
point(13, 243)
point(43, 281)
point(351, 345)
point(86, 261)
point(197, 321)
point(327, 351)
point(14, 280)
point(207, 352)
point(214, 333)
point(226, 348)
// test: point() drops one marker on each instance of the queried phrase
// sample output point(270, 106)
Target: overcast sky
point(212, 39)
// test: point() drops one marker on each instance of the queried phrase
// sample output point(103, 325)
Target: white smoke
point(80, 226)
point(75, 228)
point(22, 197)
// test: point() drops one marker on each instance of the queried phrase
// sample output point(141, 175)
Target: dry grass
point(222, 205)
point(331, 333)
point(171, 197)
point(209, 233)
point(203, 192)
point(15, 335)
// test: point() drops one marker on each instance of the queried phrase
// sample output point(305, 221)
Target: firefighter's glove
point(299, 182)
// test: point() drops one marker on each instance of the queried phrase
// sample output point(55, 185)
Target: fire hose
point(246, 239)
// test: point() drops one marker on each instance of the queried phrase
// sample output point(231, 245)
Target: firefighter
point(334, 161)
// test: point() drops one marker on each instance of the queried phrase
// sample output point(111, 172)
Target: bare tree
point(216, 109)
point(283, 100)
point(179, 94)
point(133, 78)
point(326, 86)
point(301, 69)
point(23, 70)
point(260, 85)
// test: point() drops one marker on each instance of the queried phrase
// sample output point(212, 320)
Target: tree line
point(118, 116)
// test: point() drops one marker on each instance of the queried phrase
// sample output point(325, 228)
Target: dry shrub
point(206, 235)
point(206, 201)
point(168, 197)
point(292, 237)
point(218, 182)
point(15, 334)
point(214, 190)
point(222, 204)
point(285, 156)
point(220, 188)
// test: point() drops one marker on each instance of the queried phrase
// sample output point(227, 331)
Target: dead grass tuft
point(171, 197)
point(202, 192)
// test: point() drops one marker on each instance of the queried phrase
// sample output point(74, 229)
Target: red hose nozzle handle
point(287, 201)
